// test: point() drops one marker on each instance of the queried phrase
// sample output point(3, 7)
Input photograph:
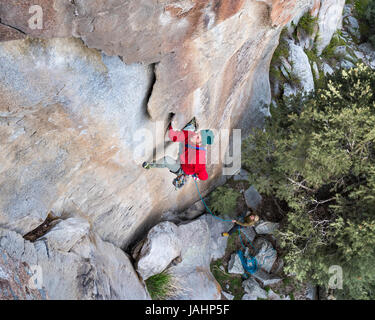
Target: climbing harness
point(179, 181)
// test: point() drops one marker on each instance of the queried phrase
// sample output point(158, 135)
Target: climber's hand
point(234, 221)
point(172, 121)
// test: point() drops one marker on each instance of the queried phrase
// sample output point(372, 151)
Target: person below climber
point(192, 155)
point(249, 221)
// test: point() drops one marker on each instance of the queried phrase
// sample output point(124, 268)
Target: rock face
point(66, 234)
point(329, 20)
point(92, 269)
point(72, 118)
point(82, 96)
point(16, 280)
point(253, 198)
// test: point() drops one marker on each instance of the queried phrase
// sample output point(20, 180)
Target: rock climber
point(249, 221)
point(192, 155)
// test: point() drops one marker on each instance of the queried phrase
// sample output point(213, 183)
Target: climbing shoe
point(225, 234)
point(146, 165)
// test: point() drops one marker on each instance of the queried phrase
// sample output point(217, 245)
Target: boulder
point(286, 65)
point(227, 296)
point(253, 198)
point(160, 248)
point(289, 90)
point(353, 27)
point(266, 255)
point(66, 233)
point(341, 52)
point(253, 291)
point(266, 227)
point(345, 64)
point(316, 70)
point(248, 234)
point(369, 54)
point(301, 67)
point(242, 175)
point(271, 295)
point(359, 54)
point(235, 265)
point(265, 278)
point(311, 292)
point(279, 265)
point(329, 20)
point(92, 269)
point(327, 68)
point(216, 227)
point(284, 72)
point(367, 49)
point(193, 275)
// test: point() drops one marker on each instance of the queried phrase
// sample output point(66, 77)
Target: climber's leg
point(166, 162)
point(234, 229)
point(231, 231)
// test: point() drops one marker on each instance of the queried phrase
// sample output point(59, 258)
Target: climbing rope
point(225, 220)
point(250, 264)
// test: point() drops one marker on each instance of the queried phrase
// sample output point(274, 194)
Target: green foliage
point(307, 23)
point(224, 200)
point(311, 54)
point(223, 278)
point(233, 281)
point(160, 286)
point(276, 73)
point(282, 50)
point(317, 155)
point(329, 51)
point(364, 11)
point(370, 18)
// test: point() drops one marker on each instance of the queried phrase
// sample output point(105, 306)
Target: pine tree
point(317, 156)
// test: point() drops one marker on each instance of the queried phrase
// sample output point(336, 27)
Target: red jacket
point(193, 157)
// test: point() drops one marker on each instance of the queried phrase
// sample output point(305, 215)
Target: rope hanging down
point(250, 265)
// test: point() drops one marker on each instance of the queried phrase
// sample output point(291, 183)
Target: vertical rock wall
point(70, 114)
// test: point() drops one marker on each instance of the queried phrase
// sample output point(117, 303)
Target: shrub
point(282, 50)
point(307, 23)
point(329, 51)
point(161, 286)
point(364, 10)
point(224, 200)
point(317, 156)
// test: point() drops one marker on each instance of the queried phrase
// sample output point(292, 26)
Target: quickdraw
point(179, 181)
